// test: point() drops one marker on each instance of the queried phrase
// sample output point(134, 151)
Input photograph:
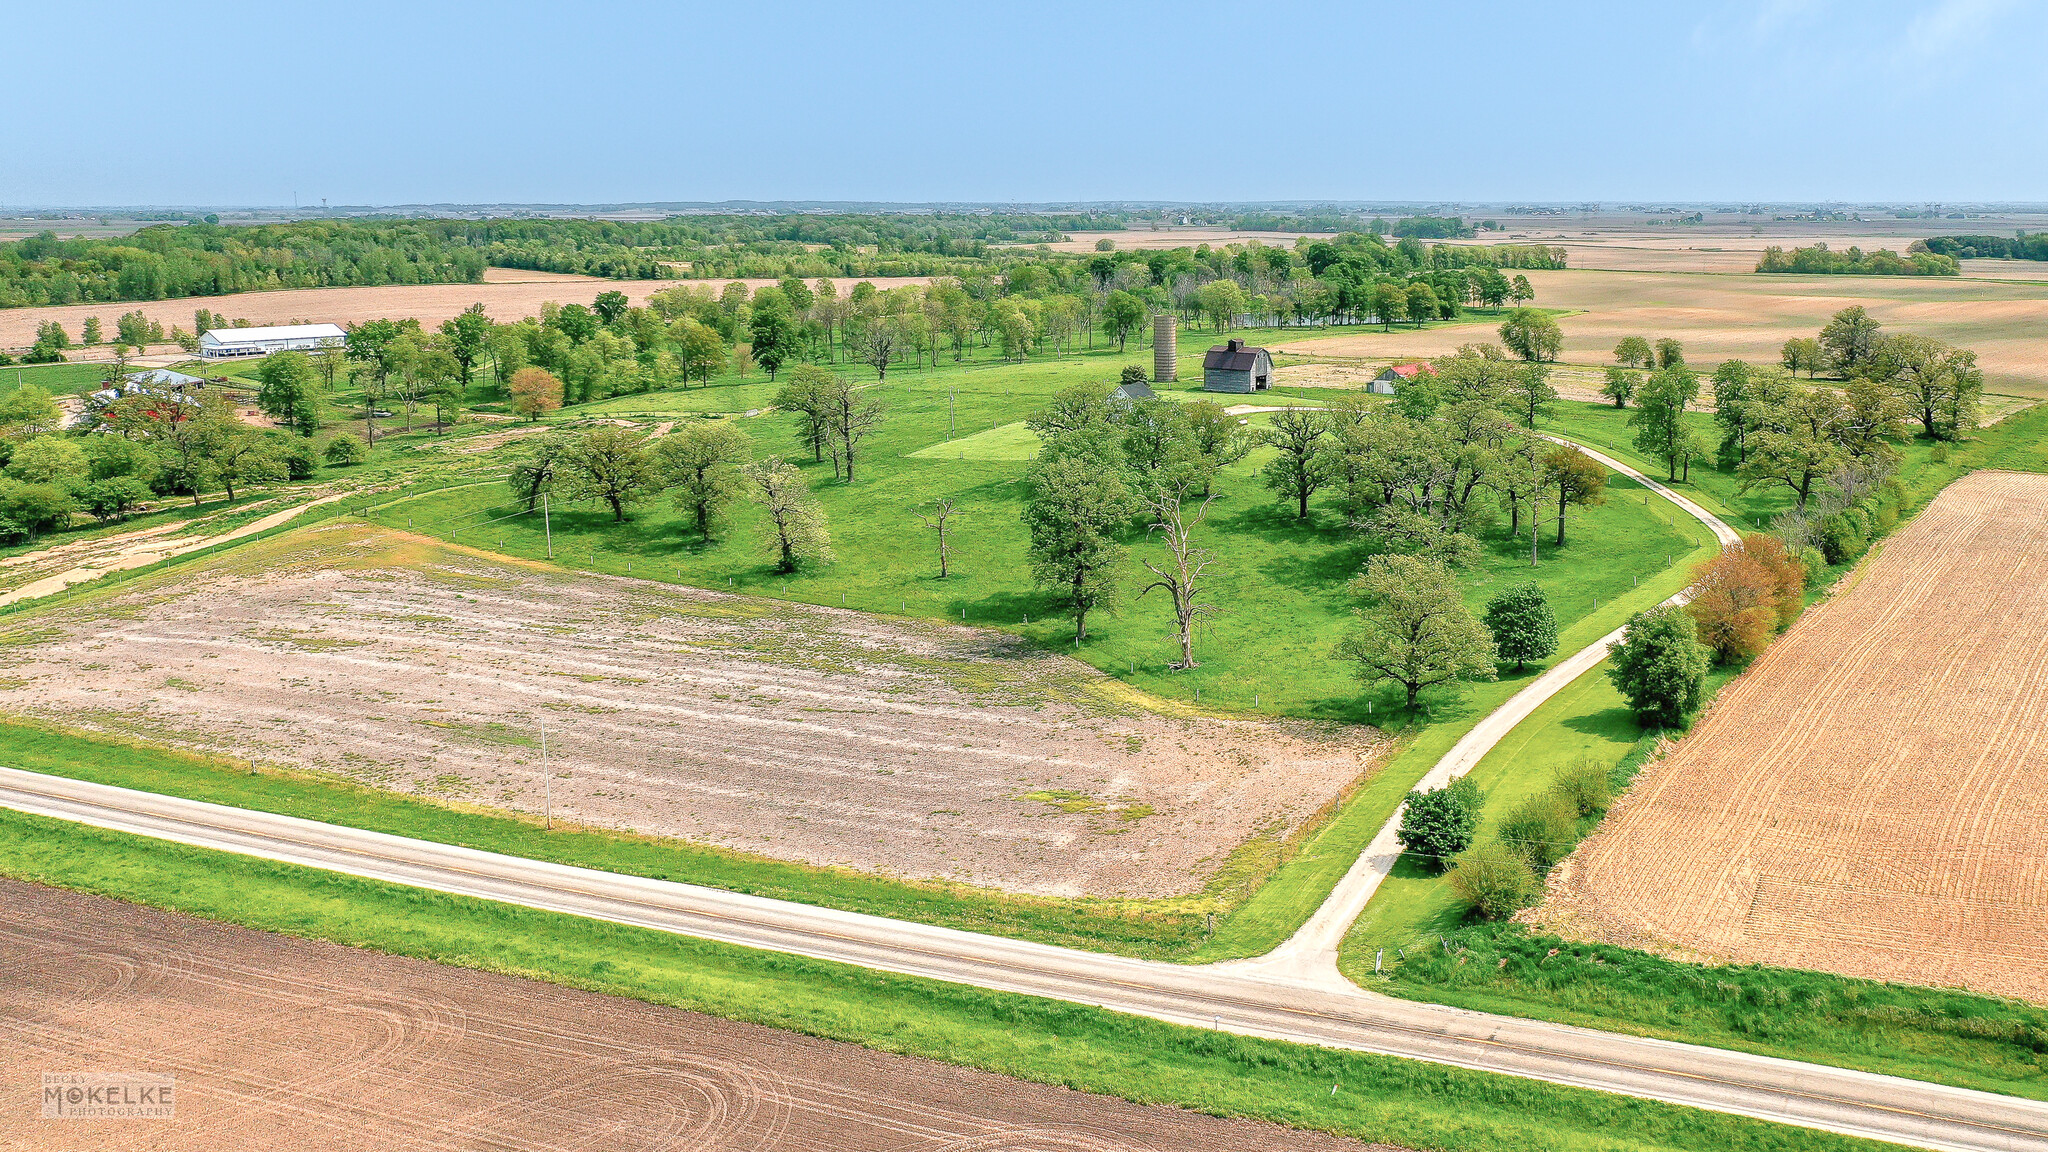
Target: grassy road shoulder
point(1375, 1098)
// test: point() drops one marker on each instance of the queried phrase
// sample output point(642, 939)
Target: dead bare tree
point(939, 520)
point(1185, 577)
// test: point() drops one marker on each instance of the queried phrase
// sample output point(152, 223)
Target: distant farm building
point(227, 343)
point(1232, 367)
point(1385, 383)
point(1132, 393)
point(154, 381)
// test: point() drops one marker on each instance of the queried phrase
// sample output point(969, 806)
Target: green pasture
point(56, 379)
point(1280, 585)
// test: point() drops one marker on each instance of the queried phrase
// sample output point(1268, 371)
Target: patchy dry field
point(281, 1044)
point(799, 732)
point(1869, 798)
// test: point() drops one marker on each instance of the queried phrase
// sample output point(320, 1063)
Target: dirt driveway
point(805, 733)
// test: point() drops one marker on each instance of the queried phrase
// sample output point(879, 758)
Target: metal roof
point(276, 332)
point(1233, 357)
point(165, 376)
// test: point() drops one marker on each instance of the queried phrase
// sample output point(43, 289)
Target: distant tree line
point(2019, 247)
point(1854, 261)
point(168, 261)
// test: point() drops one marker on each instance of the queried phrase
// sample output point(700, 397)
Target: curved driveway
point(1293, 994)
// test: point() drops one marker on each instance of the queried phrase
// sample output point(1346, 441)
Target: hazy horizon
point(1774, 101)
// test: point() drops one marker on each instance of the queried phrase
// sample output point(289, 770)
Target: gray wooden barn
point(1232, 367)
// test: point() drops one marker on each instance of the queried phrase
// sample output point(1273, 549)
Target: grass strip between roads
point(1379, 1098)
point(1941, 1035)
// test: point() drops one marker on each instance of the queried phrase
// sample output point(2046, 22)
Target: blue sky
point(377, 103)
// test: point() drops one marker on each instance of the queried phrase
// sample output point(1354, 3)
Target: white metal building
point(225, 343)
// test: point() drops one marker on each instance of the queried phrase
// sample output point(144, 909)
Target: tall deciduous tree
point(1122, 313)
point(1532, 335)
point(1938, 383)
point(1578, 479)
point(1621, 383)
point(1669, 352)
point(701, 466)
point(1415, 629)
point(1802, 354)
point(1634, 352)
point(1523, 626)
point(1302, 465)
point(1803, 445)
point(1184, 576)
point(1848, 339)
point(796, 523)
point(1659, 418)
point(1530, 394)
point(611, 305)
point(290, 391)
point(611, 465)
point(536, 472)
point(535, 392)
point(938, 518)
point(1659, 666)
point(772, 331)
point(1077, 505)
point(468, 335)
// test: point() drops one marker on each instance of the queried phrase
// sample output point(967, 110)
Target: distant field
point(1867, 799)
point(1749, 317)
point(506, 293)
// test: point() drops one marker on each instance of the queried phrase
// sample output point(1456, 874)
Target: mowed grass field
point(1279, 583)
point(1747, 316)
point(1865, 800)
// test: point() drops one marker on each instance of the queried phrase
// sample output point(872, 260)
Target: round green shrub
point(1588, 784)
point(1494, 881)
point(1438, 825)
point(1843, 537)
point(1542, 829)
point(346, 449)
point(1816, 566)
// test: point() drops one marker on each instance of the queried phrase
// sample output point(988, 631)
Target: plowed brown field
point(506, 294)
point(282, 1044)
point(1872, 797)
point(804, 733)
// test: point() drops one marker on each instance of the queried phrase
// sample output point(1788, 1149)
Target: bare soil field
point(804, 733)
point(278, 1043)
point(1749, 317)
point(506, 293)
point(1868, 798)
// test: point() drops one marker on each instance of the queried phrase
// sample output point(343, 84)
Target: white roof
point(277, 332)
point(164, 376)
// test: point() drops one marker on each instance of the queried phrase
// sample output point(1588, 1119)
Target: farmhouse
point(1385, 383)
point(1232, 367)
point(225, 343)
point(1128, 394)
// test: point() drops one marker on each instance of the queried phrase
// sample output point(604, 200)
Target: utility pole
point(547, 781)
point(546, 525)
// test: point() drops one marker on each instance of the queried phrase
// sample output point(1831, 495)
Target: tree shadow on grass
point(1616, 723)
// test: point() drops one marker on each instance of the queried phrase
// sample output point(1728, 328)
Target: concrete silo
point(1165, 349)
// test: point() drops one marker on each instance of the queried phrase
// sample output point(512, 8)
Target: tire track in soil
point(279, 1043)
point(1867, 798)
